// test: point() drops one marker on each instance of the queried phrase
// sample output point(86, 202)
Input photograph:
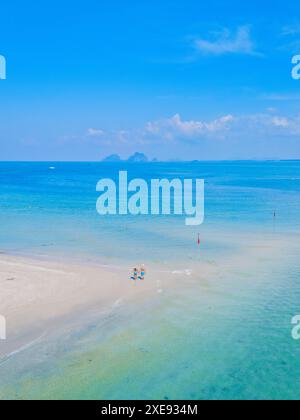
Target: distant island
point(138, 158)
point(112, 158)
point(135, 158)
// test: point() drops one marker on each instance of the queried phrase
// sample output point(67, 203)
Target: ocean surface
point(227, 336)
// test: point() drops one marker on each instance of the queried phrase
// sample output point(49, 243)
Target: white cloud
point(271, 110)
point(225, 42)
point(280, 122)
point(94, 132)
point(291, 30)
point(281, 97)
point(270, 125)
point(176, 127)
point(290, 34)
point(175, 130)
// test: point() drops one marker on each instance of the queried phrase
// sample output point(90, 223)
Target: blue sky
point(174, 79)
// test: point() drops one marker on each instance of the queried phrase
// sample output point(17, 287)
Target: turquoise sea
point(225, 336)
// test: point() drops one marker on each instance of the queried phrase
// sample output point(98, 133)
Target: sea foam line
point(9, 356)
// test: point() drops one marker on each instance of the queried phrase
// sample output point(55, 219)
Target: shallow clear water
point(48, 211)
point(226, 336)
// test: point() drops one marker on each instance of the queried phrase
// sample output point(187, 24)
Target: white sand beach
point(67, 320)
point(36, 294)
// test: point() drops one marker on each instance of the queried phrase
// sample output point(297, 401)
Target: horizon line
point(156, 161)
